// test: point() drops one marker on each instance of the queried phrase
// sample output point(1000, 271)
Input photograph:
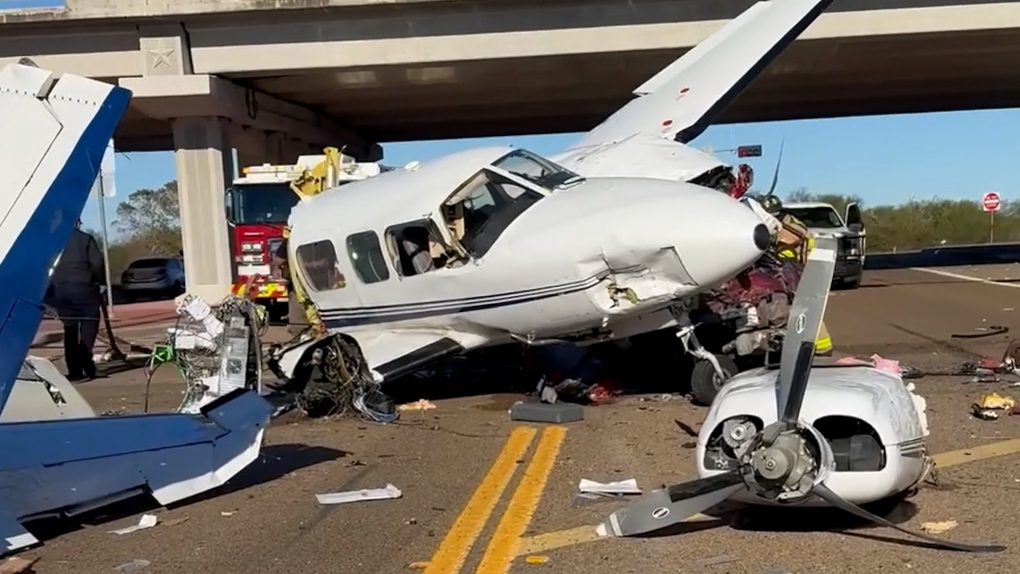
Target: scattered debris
point(982, 332)
point(418, 565)
point(987, 407)
point(558, 413)
point(689, 430)
point(388, 492)
point(133, 566)
point(175, 521)
point(890, 366)
point(628, 486)
point(146, 521)
point(225, 513)
point(939, 527)
point(536, 559)
point(418, 405)
point(18, 565)
point(718, 560)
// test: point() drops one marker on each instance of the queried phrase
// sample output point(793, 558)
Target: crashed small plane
point(59, 458)
point(802, 434)
point(613, 238)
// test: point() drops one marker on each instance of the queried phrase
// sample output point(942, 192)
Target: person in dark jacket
point(76, 282)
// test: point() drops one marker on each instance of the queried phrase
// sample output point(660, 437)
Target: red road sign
point(990, 201)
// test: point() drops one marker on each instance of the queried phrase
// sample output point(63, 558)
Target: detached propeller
point(788, 459)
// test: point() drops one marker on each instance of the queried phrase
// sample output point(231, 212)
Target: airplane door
point(855, 222)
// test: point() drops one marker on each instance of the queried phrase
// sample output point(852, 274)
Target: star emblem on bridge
point(162, 57)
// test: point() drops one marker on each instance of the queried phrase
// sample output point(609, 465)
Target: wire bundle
point(198, 363)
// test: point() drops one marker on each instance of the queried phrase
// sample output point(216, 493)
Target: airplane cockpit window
point(319, 266)
point(482, 209)
point(367, 257)
point(417, 248)
point(538, 170)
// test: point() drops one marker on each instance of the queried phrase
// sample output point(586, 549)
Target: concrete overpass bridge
point(275, 78)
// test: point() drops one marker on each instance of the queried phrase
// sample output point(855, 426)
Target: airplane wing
point(645, 137)
point(55, 130)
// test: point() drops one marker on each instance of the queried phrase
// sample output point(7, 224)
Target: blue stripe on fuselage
point(26, 268)
point(340, 318)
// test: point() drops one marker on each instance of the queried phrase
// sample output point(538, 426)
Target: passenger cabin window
point(537, 170)
point(367, 257)
point(417, 248)
point(319, 266)
point(484, 208)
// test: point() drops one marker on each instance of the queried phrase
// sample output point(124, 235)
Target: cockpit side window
point(481, 210)
point(537, 170)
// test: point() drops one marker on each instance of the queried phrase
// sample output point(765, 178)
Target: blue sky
point(884, 159)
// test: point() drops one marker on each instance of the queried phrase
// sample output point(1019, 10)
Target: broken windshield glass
point(537, 170)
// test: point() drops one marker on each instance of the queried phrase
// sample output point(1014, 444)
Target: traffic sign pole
point(991, 202)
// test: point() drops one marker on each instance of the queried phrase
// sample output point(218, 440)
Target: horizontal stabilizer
point(64, 467)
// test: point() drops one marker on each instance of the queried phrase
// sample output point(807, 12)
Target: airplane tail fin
point(54, 130)
point(681, 101)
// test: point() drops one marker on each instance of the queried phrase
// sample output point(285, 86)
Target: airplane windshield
point(537, 170)
point(484, 208)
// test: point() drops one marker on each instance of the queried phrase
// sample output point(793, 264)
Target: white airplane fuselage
point(608, 253)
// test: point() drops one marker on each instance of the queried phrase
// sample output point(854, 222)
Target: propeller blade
point(775, 174)
point(666, 507)
point(806, 314)
point(798, 386)
point(834, 499)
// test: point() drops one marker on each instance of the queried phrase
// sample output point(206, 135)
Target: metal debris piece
point(146, 521)
point(628, 486)
point(386, 493)
point(133, 566)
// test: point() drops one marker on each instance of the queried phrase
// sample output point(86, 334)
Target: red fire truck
point(258, 206)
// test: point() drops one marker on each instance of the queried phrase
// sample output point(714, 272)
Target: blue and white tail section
point(54, 130)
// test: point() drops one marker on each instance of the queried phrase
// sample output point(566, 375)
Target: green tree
point(151, 219)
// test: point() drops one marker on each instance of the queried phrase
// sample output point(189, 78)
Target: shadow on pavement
point(274, 462)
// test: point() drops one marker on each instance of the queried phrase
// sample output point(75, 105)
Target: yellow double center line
point(453, 551)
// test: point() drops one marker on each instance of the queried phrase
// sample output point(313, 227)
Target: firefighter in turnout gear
point(795, 241)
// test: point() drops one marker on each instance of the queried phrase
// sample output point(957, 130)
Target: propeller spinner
point(788, 460)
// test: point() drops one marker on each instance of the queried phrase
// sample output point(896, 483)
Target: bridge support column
point(202, 153)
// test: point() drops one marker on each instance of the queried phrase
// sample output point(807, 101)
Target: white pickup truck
point(823, 219)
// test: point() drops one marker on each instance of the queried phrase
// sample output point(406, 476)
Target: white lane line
point(966, 277)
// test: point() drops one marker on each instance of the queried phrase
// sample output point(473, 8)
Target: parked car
point(153, 276)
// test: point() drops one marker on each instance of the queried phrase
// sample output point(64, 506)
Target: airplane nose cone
point(720, 238)
point(762, 237)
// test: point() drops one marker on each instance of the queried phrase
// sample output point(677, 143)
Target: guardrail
point(946, 256)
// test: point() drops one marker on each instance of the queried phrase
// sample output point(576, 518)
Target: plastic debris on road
point(146, 521)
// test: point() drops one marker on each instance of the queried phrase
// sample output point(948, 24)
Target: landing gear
point(706, 381)
point(711, 371)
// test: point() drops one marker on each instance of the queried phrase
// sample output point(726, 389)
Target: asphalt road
point(486, 496)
